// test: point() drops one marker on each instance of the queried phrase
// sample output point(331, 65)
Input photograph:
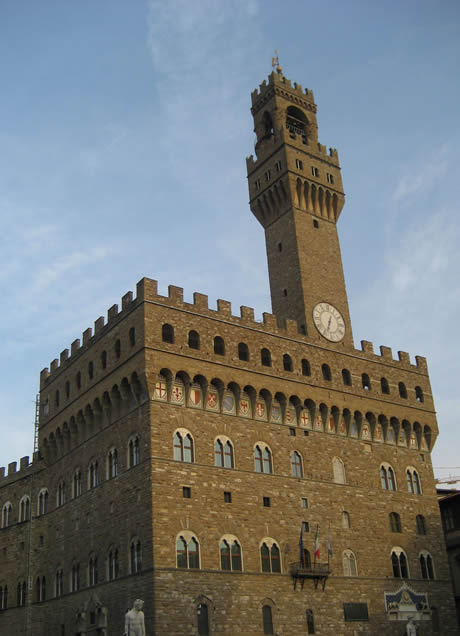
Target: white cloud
point(415, 183)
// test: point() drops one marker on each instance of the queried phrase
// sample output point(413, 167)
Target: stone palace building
point(241, 477)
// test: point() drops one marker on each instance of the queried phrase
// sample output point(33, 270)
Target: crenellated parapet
point(277, 83)
point(26, 469)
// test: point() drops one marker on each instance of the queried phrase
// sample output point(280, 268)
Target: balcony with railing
point(318, 572)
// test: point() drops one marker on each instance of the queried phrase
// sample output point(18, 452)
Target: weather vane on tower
point(276, 62)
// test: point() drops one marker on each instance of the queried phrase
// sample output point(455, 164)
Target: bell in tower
point(296, 193)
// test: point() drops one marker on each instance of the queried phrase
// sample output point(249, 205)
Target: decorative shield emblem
point(331, 425)
point(342, 427)
point(413, 441)
point(244, 407)
point(276, 412)
point(366, 434)
point(229, 403)
point(378, 434)
point(305, 419)
point(390, 436)
point(177, 394)
point(318, 423)
point(402, 441)
point(160, 390)
point(195, 397)
point(260, 409)
point(211, 400)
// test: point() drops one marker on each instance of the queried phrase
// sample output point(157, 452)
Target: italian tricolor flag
point(317, 550)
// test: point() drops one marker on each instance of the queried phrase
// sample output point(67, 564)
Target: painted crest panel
point(366, 431)
point(342, 427)
point(305, 419)
point(178, 392)
point(291, 416)
point(391, 436)
point(161, 392)
point(331, 425)
point(212, 399)
point(354, 428)
point(276, 412)
point(195, 398)
point(245, 406)
point(402, 440)
point(260, 410)
point(229, 403)
point(378, 437)
point(319, 423)
point(413, 440)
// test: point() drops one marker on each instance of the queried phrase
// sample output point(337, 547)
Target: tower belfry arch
point(296, 194)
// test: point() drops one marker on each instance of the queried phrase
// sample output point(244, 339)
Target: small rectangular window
point(330, 178)
point(187, 492)
point(315, 171)
point(299, 164)
point(306, 433)
point(315, 223)
point(227, 497)
point(304, 501)
point(310, 622)
point(305, 526)
point(422, 457)
point(267, 175)
point(278, 166)
point(257, 184)
point(267, 502)
point(292, 432)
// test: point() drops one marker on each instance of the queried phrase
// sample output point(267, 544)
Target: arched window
point(267, 619)
point(270, 556)
point(132, 336)
point(3, 597)
point(345, 520)
point(296, 124)
point(42, 507)
point(193, 339)
point(90, 370)
point(60, 495)
point(56, 398)
point(306, 369)
point(134, 452)
point(187, 552)
point(230, 555)
point(113, 563)
point(202, 619)
point(349, 563)
point(40, 589)
point(402, 390)
point(387, 477)
point(75, 577)
point(24, 509)
point(419, 394)
point(287, 362)
point(219, 346)
point(92, 570)
point(59, 583)
point(243, 352)
point(93, 474)
point(346, 376)
point(104, 359)
point(426, 565)
point(265, 358)
point(223, 453)
point(395, 522)
point(183, 447)
point(117, 349)
point(7, 514)
point(366, 382)
point(263, 459)
point(399, 564)
point(167, 333)
point(135, 556)
point(338, 470)
point(310, 622)
point(384, 386)
point(413, 481)
point(112, 463)
point(76, 483)
point(420, 524)
point(296, 464)
point(326, 371)
point(67, 389)
point(78, 380)
point(21, 594)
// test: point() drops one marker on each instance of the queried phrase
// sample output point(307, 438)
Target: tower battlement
point(278, 80)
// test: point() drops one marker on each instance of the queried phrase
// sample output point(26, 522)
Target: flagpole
point(328, 543)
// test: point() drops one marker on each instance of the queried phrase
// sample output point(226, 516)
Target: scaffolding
point(37, 420)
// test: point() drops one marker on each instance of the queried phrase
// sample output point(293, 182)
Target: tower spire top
point(276, 62)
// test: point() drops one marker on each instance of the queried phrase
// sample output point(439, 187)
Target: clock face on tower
point(329, 322)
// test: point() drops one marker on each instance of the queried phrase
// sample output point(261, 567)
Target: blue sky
point(124, 129)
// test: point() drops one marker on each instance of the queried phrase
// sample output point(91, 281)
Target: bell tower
point(296, 193)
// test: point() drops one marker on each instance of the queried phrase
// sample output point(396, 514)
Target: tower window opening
point(267, 175)
point(280, 247)
point(299, 164)
point(219, 346)
point(326, 369)
point(306, 369)
point(266, 358)
point(330, 178)
point(366, 382)
point(284, 292)
point(315, 223)
point(296, 123)
point(315, 171)
point(243, 352)
point(278, 166)
point(257, 184)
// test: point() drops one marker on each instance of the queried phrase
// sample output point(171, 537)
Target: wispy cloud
point(413, 183)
